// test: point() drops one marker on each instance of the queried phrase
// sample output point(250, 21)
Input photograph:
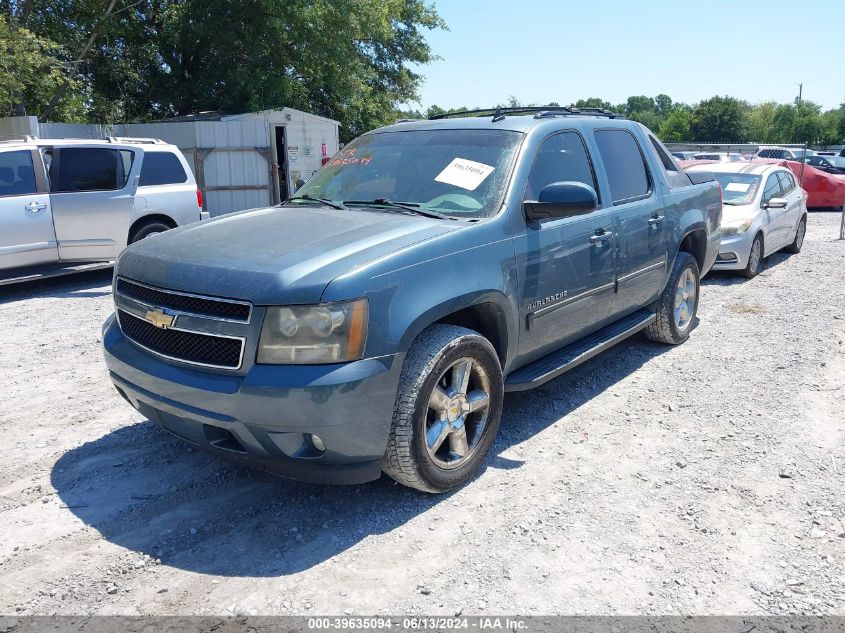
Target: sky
point(541, 51)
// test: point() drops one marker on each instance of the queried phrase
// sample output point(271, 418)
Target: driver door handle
point(601, 236)
point(655, 220)
point(35, 207)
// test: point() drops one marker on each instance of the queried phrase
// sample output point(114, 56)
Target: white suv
point(783, 153)
point(167, 194)
point(66, 202)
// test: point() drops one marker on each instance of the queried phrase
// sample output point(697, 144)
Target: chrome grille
point(192, 347)
point(186, 303)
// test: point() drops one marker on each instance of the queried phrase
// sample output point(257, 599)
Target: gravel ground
point(701, 479)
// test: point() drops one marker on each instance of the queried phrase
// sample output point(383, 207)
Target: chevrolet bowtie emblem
point(159, 318)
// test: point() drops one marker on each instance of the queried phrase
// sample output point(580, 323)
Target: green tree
point(664, 106)
point(760, 123)
point(719, 120)
point(676, 127)
point(31, 70)
point(649, 118)
point(783, 123)
point(842, 121)
point(807, 127)
point(639, 103)
point(830, 127)
point(592, 102)
point(346, 59)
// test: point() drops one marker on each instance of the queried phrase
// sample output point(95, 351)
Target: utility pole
point(800, 90)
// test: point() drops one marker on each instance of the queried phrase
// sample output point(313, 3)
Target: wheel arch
point(694, 242)
point(485, 312)
point(149, 219)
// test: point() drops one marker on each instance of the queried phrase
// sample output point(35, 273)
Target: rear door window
point(562, 157)
point(17, 173)
point(624, 164)
point(162, 168)
point(75, 169)
point(675, 176)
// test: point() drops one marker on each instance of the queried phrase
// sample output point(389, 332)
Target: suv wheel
point(145, 230)
point(447, 411)
point(678, 305)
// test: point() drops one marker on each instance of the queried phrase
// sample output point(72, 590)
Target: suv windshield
point(738, 188)
point(454, 172)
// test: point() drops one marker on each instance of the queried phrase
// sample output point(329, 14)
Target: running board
point(556, 363)
point(16, 276)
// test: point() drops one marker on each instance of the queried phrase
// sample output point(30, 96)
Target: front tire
point(755, 258)
point(800, 232)
point(678, 305)
point(448, 409)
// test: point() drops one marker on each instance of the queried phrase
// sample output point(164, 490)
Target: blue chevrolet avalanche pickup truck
point(373, 322)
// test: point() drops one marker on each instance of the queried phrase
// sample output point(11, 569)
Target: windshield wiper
point(413, 207)
point(325, 201)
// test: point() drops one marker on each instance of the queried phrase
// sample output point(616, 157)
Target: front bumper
point(734, 251)
point(267, 416)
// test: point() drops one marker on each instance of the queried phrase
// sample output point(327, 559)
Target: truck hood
point(273, 256)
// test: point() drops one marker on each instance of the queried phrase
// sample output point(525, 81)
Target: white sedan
point(764, 211)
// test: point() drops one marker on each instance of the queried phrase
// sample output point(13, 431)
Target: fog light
point(318, 443)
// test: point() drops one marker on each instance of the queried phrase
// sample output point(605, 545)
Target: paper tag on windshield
point(740, 187)
point(464, 173)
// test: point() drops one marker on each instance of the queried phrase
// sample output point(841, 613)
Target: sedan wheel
point(755, 258)
point(800, 233)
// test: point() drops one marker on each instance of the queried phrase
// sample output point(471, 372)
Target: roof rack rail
point(539, 112)
point(135, 139)
point(26, 138)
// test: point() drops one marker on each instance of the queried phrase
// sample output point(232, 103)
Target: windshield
point(454, 172)
point(738, 188)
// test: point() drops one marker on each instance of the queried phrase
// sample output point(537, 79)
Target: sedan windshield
point(738, 188)
point(453, 172)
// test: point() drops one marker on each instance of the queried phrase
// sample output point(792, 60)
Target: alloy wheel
point(456, 418)
point(685, 298)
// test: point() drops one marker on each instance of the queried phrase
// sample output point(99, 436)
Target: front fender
point(408, 292)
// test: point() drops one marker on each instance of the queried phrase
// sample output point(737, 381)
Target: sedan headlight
point(311, 335)
point(736, 227)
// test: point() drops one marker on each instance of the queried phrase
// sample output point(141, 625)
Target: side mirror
point(562, 200)
point(776, 203)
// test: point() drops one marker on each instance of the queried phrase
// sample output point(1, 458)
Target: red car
point(823, 190)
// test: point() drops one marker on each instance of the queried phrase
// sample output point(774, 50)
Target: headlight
point(736, 227)
point(310, 335)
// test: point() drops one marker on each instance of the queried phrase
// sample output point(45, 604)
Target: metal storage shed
point(240, 161)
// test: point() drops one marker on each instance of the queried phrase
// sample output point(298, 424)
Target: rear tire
point(443, 423)
point(678, 305)
point(755, 258)
point(800, 232)
point(147, 229)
